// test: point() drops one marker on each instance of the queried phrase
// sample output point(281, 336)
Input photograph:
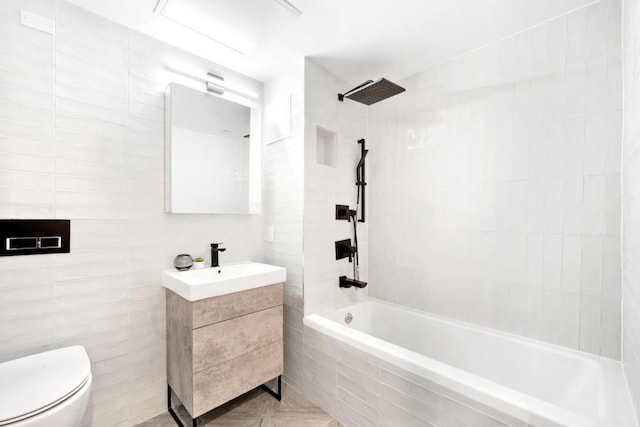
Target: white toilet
point(46, 389)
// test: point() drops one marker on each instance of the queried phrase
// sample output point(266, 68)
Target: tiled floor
point(259, 409)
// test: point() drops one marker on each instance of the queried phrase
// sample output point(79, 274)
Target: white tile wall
point(293, 342)
point(325, 186)
point(81, 137)
point(297, 187)
point(495, 185)
point(283, 179)
point(631, 205)
point(283, 202)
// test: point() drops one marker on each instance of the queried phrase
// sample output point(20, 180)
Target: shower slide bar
point(343, 212)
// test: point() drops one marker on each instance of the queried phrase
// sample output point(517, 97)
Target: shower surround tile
point(326, 186)
point(494, 184)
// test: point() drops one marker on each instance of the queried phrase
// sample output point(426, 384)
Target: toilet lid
point(32, 384)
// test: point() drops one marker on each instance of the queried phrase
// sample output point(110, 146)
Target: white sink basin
point(194, 285)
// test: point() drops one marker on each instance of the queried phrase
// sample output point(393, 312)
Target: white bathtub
point(537, 383)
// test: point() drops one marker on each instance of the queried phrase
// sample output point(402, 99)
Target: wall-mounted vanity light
point(212, 87)
point(215, 83)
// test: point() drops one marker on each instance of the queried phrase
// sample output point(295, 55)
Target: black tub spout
point(347, 283)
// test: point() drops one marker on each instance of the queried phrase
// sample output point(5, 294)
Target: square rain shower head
point(373, 92)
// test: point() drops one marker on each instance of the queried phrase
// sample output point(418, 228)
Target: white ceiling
point(355, 39)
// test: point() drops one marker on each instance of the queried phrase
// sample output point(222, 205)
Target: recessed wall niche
point(326, 147)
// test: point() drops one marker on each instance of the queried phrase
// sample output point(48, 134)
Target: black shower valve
point(345, 250)
point(343, 212)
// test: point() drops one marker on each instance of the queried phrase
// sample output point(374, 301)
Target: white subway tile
point(468, 415)
point(526, 313)
point(11, 128)
point(392, 415)
point(592, 263)
point(612, 268)
point(614, 135)
point(103, 76)
point(597, 20)
point(590, 324)
point(571, 262)
point(21, 96)
point(570, 331)
point(595, 144)
point(424, 405)
point(593, 207)
point(575, 146)
point(512, 206)
point(26, 115)
point(552, 264)
point(32, 147)
point(611, 345)
point(535, 259)
point(552, 315)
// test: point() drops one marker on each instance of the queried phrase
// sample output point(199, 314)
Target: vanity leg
point(194, 421)
point(277, 395)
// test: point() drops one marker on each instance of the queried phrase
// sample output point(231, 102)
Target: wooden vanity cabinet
point(221, 347)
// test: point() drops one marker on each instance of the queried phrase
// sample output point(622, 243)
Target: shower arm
point(342, 95)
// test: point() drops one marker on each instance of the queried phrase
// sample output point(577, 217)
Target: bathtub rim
point(499, 397)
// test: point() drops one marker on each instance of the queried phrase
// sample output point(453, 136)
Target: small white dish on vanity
point(194, 285)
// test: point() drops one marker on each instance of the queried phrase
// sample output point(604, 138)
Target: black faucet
point(214, 254)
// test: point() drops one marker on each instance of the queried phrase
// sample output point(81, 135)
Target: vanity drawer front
point(221, 383)
point(218, 309)
point(223, 341)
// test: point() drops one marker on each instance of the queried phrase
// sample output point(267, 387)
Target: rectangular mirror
point(212, 162)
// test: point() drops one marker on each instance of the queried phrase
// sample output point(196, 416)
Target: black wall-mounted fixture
point(34, 236)
point(371, 92)
point(355, 89)
point(360, 180)
point(342, 212)
point(347, 283)
point(345, 250)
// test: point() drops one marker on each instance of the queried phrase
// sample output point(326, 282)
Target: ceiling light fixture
point(191, 16)
point(289, 6)
point(227, 23)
